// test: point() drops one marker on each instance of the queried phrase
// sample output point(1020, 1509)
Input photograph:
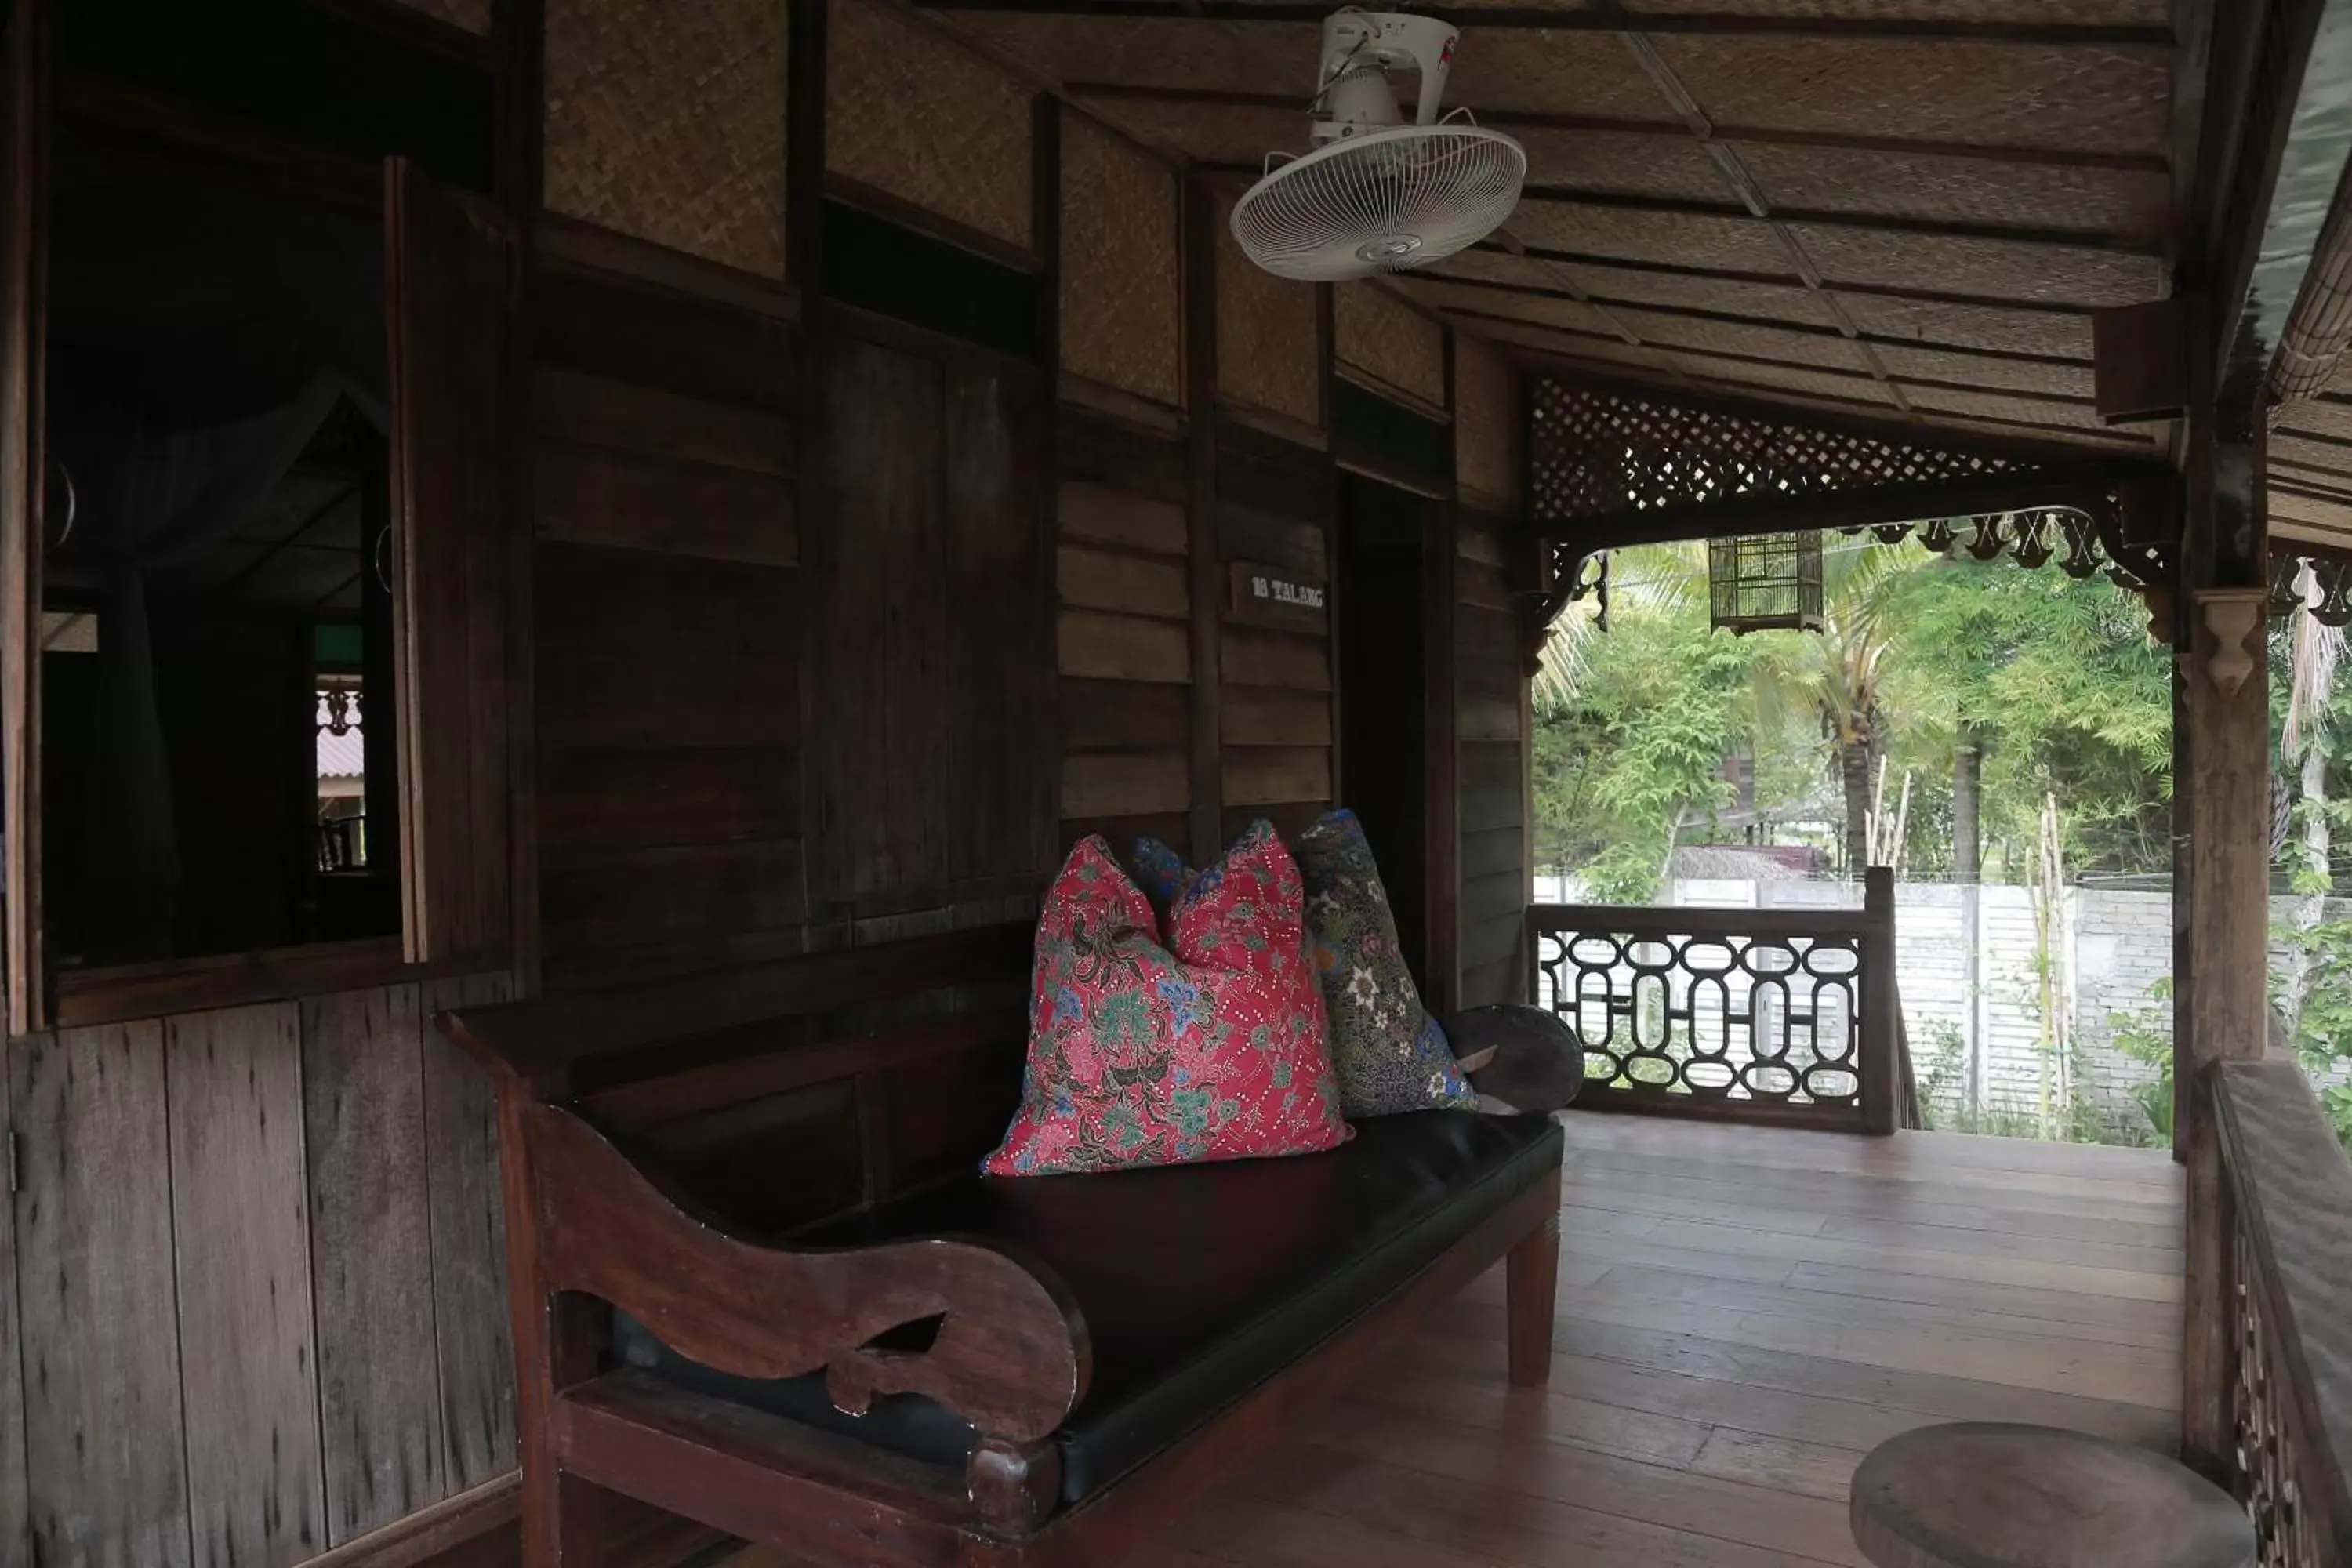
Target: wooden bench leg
point(1532, 1276)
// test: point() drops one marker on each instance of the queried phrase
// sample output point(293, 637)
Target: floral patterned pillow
point(1209, 1047)
point(1390, 1054)
point(1161, 873)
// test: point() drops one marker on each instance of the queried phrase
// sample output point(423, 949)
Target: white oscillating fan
point(1377, 193)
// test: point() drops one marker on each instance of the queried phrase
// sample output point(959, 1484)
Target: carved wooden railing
point(1788, 1016)
point(2286, 1198)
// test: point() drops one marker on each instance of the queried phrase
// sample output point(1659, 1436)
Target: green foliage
point(2058, 680)
point(1637, 747)
point(2322, 1024)
point(2145, 1036)
point(2054, 676)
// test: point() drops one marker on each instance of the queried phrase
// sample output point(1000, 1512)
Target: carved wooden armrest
point(1011, 1356)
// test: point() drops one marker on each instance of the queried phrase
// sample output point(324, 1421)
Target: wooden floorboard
point(1743, 1314)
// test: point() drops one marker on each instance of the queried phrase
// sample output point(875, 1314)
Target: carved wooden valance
point(1611, 465)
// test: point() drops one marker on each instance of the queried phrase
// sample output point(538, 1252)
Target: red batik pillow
point(1139, 1055)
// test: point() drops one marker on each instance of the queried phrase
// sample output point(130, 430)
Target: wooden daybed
point(738, 1207)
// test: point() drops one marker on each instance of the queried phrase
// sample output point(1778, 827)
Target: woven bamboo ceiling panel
point(2038, 411)
point(1275, 58)
point(2002, 331)
point(1850, 387)
point(2328, 415)
point(1789, 301)
point(2000, 268)
point(1122, 285)
point(2091, 100)
point(2311, 452)
point(914, 114)
point(1269, 342)
point(2124, 203)
point(1384, 340)
point(1620, 161)
point(474, 16)
point(2079, 13)
point(1210, 132)
point(1783, 345)
point(1812, 219)
point(2059, 378)
point(666, 121)
point(1471, 300)
point(1483, 421)
point(1735, 244)
point(1573, 72)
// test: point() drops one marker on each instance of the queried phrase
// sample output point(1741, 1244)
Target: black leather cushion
point(1197, 1282)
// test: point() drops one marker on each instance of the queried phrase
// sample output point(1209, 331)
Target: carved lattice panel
point(1596, 451)
point(1751, 1021)
point(2285, 1532)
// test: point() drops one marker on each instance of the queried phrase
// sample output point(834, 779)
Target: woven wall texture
point(1269, 353)
point(1122, 265)
point(1377, 335)
point(666, 121)
point(1482, 421)
point(910, 111)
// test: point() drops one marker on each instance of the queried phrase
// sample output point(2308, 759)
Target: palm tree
point(1835, 674)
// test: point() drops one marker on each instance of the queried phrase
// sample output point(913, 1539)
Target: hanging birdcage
point(1765, 583)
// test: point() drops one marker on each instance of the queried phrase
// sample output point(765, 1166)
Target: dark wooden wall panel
point(248, 1345)
point(275, 1230)
point(15, 1521)
point(1275, 500)
point(107, 1473)
point(1491, 696)
point(469, 1249)
point(370, 1256)
point(929, 620)
point(1123, 644)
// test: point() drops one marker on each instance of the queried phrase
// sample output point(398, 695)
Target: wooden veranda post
point(2222, 771)
point(1882, 1070)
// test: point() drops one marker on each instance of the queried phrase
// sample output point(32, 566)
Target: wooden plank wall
point(1491, 694)
point(668, 584)
point(1275, 502)
point(257, 1316)
point(1123, 647)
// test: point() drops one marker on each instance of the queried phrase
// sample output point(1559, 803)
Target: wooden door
point(449, 270)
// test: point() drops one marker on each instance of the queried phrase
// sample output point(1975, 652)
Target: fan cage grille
point(1388, 202)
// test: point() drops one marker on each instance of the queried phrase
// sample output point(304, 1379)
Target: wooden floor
point(1743, 1313)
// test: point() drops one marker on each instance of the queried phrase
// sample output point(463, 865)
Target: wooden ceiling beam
point(2039, 34)
point(1535, 119)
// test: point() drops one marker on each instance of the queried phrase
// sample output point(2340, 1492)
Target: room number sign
point(1270, 596)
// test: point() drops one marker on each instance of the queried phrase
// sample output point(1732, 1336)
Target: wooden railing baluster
point(2288, 1194)
point(1786, 1016)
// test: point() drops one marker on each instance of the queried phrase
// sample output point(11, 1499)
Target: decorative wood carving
point(1611, 465)
point(1010, 1355)
point(2331, 575)
point(2231, 615)
point(1762, 1015)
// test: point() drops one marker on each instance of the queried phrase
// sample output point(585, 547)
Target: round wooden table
point(1990, 1495)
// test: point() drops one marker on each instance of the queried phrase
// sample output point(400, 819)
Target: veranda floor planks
point(1743, 1313)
